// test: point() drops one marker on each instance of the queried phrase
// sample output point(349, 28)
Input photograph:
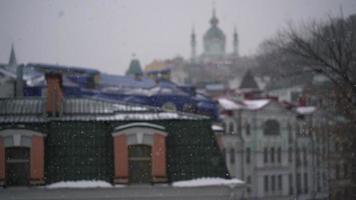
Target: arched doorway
point(17, 166)
point(140, 164)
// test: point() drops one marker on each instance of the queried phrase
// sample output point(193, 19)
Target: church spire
point(235, 43)
point(214, 20)
point(12, 60)
point(193, 44)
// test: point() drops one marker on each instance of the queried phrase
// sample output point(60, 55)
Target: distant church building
point(214, 44)
point(212, 71)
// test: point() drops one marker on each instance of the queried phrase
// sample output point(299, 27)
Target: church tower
point(214, 39)
point(12, 59)
point(193, 44)
point(235, 44)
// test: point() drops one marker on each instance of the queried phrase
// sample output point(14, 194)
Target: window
point(188, 108)
point(299, 183)
point(272, 154)
point(232, 156)
point(297, 129)
point(279, 155)
point(248, 129)
point(231, 128)
point(248, 155)
point(290, 136)
point(280, 183)
point(169, 106)
point(297, 156)
point(265, 155)
point(273, 183)
point(248, 181)
point(305, 160)
point(290, 154)
point(271, 127)
point(290, 179)
point(266, 183)
point(224, 127)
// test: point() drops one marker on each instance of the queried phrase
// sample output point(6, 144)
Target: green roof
point(214, 32)
point(134, 68)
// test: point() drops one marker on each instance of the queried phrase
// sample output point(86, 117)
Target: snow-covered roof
point(7, 73)
point(227, 104)
point(305, 110)
point(255, 104)
point(84, 109)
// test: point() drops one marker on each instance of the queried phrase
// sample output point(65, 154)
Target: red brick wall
point(159, 164)
point(121, 159)
point(37, 160)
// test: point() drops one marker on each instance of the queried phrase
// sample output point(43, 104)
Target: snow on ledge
point(200, 182)
point(79, 184)
point(306, 110)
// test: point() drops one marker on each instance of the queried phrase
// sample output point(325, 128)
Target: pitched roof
point(134, 68)
point(83, 109)
point(248, 81)
point(12, 59)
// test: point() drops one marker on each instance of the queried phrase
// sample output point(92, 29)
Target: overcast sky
point(104, 34)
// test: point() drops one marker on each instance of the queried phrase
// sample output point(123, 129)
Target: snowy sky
point(104, 34)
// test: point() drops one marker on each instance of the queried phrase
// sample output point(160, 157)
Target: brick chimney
point(54, 93)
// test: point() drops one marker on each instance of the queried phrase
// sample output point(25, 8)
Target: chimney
point(54, 93)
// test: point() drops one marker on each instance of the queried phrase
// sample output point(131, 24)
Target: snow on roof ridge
point(228, 104)
point(255, 104)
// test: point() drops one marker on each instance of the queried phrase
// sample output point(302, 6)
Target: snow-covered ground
point(207, 182)
point(200, 182)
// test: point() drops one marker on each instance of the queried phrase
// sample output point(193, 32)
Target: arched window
point(21, 157)
point(139, 148)
point(271, 127)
